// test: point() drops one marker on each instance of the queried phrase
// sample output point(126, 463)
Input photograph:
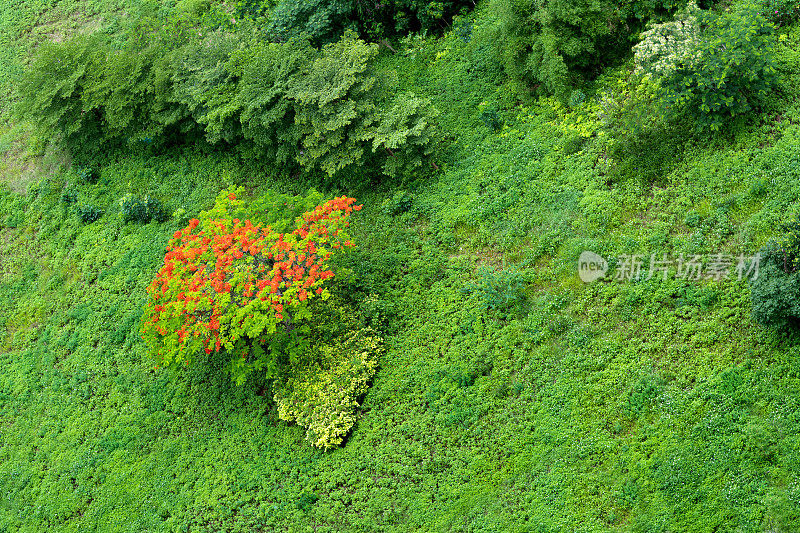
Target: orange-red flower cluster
point(234, 278)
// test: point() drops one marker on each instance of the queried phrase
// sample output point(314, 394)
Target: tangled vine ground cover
point(506, 395)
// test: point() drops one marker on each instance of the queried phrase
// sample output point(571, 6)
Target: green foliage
point(405, 131)
point(333, 112)
point(52, 92)
point(88, 213)
point(776, 292)
point(404, 16)
point(576, 98)
point(97, 92)
point(202, 81)
point(326, 21)
point(142, 209)
point(671, 408)
point(781, 12)
point(69, 196)
point(400, 202)
point(728, 72)
point(643, 140)
point(643, 392)
point(491, 119)
point(12, 211)
point(500, 290)
point(550, 47)
point(313, 108)
point(271, 208)
point(306, 500)
point(320, 109)
point(86, 174)
point(286, 104)
point(787, 63)
point(322, 21)
point(463, 27)
point(776, 297)
point(266, 115)
point(786, 254)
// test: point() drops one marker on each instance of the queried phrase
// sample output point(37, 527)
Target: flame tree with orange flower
point(229, 284)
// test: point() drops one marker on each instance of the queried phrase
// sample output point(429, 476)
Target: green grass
point(651, 406)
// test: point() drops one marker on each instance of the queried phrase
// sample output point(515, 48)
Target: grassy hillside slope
point(512, 397)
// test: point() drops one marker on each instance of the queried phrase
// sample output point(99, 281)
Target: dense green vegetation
point(505, 394)
point(168, 81)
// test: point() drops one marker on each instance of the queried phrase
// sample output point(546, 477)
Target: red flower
point(198, 267)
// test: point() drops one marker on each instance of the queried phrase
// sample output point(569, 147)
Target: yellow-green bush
point(323, 396)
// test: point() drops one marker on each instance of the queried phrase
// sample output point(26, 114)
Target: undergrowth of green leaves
point(510, 397)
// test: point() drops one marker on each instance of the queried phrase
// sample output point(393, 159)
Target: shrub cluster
point(322, 395)
point(715, 66)
point(257, 296)
point(287, 103)
point(552, 46)
point(694, 74)
point(324, 21)
point(142, 209)
point(500, 290)
point(227, 282)
point(665, 47)
point(781, 12)
point(89, 213)
point(775, 293)
point(400, 202)
point(86, 174)
point(69, 196)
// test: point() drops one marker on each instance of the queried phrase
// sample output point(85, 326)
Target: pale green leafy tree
point(405, 131)
point(665, 46)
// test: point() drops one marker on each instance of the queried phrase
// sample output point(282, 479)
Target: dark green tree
point(551, 45)
point(52, 89)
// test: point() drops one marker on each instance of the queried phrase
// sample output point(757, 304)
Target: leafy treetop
point(227, 283)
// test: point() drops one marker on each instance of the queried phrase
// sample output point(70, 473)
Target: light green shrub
point(323, 395)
